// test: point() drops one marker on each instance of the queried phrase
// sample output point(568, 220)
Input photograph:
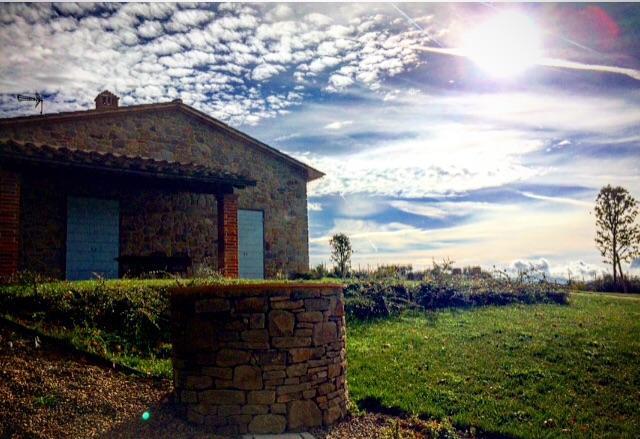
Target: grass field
point(522, 370)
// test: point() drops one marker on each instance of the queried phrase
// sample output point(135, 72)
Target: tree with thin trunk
point(617, 235)
point(341, 253)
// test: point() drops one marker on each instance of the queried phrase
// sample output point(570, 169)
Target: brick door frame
point(228, 234)
point(10, 185)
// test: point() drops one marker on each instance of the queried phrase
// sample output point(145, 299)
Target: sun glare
point(505, 45)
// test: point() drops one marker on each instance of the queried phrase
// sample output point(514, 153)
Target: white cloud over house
point(217, 52)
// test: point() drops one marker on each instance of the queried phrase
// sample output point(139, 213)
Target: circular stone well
point(260, 358)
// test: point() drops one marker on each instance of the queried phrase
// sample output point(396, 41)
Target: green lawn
point(523, 370)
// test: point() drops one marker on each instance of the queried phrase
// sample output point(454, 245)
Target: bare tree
point(341, 252)
point(617, 235)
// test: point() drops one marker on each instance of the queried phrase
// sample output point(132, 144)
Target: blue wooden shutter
point(251, 244)
point(93, 238)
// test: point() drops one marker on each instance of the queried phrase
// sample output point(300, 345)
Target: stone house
point(117, 190)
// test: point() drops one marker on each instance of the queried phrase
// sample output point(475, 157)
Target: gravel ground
point(47, 391)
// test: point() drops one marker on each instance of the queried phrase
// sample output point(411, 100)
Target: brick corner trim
point(228, 234)
point(9, 222)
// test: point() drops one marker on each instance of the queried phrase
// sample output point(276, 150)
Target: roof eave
point(311, 173)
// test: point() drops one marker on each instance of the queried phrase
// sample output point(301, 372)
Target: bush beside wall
point(135, 313)
point(382, 298)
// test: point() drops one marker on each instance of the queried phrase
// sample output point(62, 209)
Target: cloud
point(574, 270)
point(337, 125)
point(422, 144)
point(496, 235)
point(560, 200)
point(188, 19)
point(318, 19)
point(448, 160)
point(128, 48)
point(358, 206)
point(449, 209)
point(265, 71)
point(150, 29)
point(338, 82)
point(533, 267)
point(550, 62)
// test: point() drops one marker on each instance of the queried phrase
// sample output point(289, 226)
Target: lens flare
point(146, 416)
point(505, 45)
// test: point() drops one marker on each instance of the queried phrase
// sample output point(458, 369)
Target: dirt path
point(50, 392)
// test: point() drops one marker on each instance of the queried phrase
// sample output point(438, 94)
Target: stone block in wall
point(324, 333)
point(232, 357)
point(247, 377)
point(281, 323)
point(212, 305)
point(223, 397)
point(268, 424)
point(287, 304)
point(303, 415)
point(317, 304)
point(310, 316)
point(251, 305)
point(261, 397)
point(291, 342)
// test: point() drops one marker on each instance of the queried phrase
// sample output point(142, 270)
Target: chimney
point(106, 101)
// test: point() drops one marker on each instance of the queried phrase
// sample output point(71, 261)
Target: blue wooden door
point(93, 238)
point(251, 244)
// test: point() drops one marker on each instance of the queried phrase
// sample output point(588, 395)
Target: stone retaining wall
point(262, 358)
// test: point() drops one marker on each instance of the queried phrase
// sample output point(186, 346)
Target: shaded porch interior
point(168, 215)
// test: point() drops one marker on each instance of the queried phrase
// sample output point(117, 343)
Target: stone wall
point(262, 358)
point(43, 233)
point(170, 134)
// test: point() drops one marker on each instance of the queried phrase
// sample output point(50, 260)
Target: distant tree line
point(617, 239)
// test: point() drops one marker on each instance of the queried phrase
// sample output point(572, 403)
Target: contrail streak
point(412, 21)
point(550, 62)
point(561, 200)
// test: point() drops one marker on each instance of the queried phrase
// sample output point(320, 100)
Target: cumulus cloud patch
point(575, 270)
point(209, 55)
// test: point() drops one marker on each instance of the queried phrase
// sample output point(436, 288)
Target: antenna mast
point(37, 99)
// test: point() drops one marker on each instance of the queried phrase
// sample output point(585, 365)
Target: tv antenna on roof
point(37, 98)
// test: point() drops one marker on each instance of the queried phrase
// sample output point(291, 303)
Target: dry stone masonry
point(260, 358)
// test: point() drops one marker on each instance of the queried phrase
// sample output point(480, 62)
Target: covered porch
point(74, 214)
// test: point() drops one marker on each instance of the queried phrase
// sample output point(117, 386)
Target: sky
point(476, 132)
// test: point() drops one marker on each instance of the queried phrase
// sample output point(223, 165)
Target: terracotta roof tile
point(29, 153)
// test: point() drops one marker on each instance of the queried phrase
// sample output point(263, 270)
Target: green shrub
point(136, 311)
point(379, 299)
point(606, 284)
point(133, 316)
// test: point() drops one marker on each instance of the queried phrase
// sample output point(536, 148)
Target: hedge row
point(136, 312)
point(379, 299)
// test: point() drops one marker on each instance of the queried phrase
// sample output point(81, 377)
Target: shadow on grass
point(373, 404)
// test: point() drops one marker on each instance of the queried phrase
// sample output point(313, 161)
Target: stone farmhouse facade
point(114, 189)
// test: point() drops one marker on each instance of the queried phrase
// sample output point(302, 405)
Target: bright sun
point(505, 45)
